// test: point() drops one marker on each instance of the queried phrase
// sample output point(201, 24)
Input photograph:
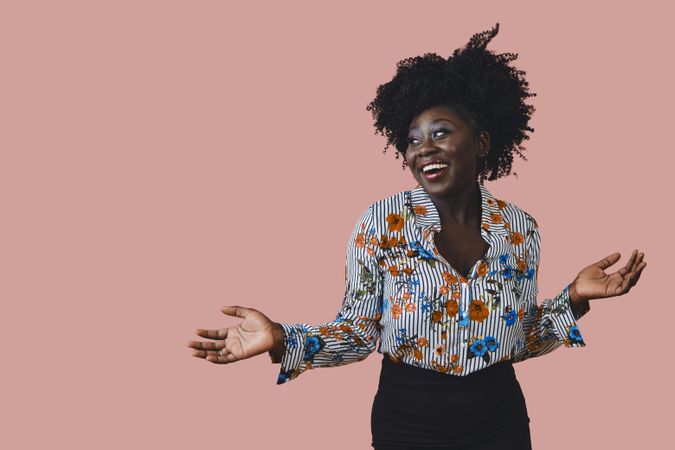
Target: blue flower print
point(312, 345)
point(529, 273)
point(463, 318)
point(503, 258)
point(426, 306)
point(423, 253)
point(507, 273)
point(478, 347)
point(401, 336)
point(491, 343)
point(575, 334)
point(510, 317)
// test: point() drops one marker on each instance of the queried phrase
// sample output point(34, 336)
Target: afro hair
point(478, 84)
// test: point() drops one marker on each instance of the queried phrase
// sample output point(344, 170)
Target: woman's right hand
point(256, 334)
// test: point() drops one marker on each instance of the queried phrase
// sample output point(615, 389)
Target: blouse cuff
point(564, 319)
point(294, 350)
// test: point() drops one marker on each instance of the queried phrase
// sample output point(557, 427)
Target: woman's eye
point(412, 140)
point(439, 133)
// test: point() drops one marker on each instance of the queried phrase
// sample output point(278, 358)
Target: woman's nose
point(427, 147)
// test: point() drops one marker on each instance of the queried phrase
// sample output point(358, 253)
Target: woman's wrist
point(278, 347)
point(579, 304)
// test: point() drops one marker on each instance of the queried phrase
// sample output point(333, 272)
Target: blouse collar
point(426, 215)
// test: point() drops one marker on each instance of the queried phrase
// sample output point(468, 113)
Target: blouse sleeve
point(551, 324)
point(352, 336)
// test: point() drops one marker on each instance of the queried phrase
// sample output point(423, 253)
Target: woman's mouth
point(435, 174)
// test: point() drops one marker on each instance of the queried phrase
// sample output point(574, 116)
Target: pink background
point(158, 159)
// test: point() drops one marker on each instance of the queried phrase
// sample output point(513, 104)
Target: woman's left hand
point(592, 282)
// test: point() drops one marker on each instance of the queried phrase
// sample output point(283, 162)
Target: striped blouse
point(402, 296)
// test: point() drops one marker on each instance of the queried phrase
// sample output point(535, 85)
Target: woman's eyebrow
point(435, 121)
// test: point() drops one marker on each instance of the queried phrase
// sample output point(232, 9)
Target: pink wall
point(152, 157)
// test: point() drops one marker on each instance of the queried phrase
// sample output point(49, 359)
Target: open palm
point(593, 282)
point(249, 338)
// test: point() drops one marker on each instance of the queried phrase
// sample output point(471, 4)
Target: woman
point(444, 275)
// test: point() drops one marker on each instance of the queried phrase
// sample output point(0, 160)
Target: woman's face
point(440, 135)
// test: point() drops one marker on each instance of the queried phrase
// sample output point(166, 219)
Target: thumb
point(237, 311)
point(608, 260)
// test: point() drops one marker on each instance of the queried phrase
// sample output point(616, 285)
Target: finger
point(221, 359)
point(206, 345)
point(629, 281)
point(608, 260)
point(631, 261)
point(639, 271)
point(200, 354)
point(636, 275)
point(237, 311)
point(212, 334)
point(631, 264)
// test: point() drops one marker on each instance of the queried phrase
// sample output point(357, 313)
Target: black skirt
point(417, 408)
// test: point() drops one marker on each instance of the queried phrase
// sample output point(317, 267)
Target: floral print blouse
point(404, 298)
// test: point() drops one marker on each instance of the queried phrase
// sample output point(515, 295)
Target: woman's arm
point(553, 323)
point(353, 335)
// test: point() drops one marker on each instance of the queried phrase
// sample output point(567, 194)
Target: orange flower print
point(478, 311)
point(462, 279)
point(517, 238)
point(393, 241)
point(393, 270)
point(454, 358)
point(437, 316)
point(396, 311)
point(456, 295)
point(496, 217)
point(373, 240)
point(449, 278)
point(443, 289)
point(452, 307)
point(418, 354)
point(395, 222)
point(507, 225)
point(406, 295)
point(458, 369)
point(409, 253)
point(490, 202)
point(423, 342)
point(410, 307)
point(360, 240)
point(420, 210)
point(501, 204)
point(401, 240)
point(485, 226)
point(384, 242)
point(444, 335)
point(440, 350)
point(346, 328)
point(520, 264)
point(370, 252)
point(521, 313)
point(482, 269)
point(407, 270)
point(324, 331)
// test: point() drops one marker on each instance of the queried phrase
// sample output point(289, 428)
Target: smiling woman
point(441, 279)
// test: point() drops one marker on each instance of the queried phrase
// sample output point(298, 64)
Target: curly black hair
point(478, 84)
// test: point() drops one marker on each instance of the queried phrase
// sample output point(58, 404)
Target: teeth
point(434, 166)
